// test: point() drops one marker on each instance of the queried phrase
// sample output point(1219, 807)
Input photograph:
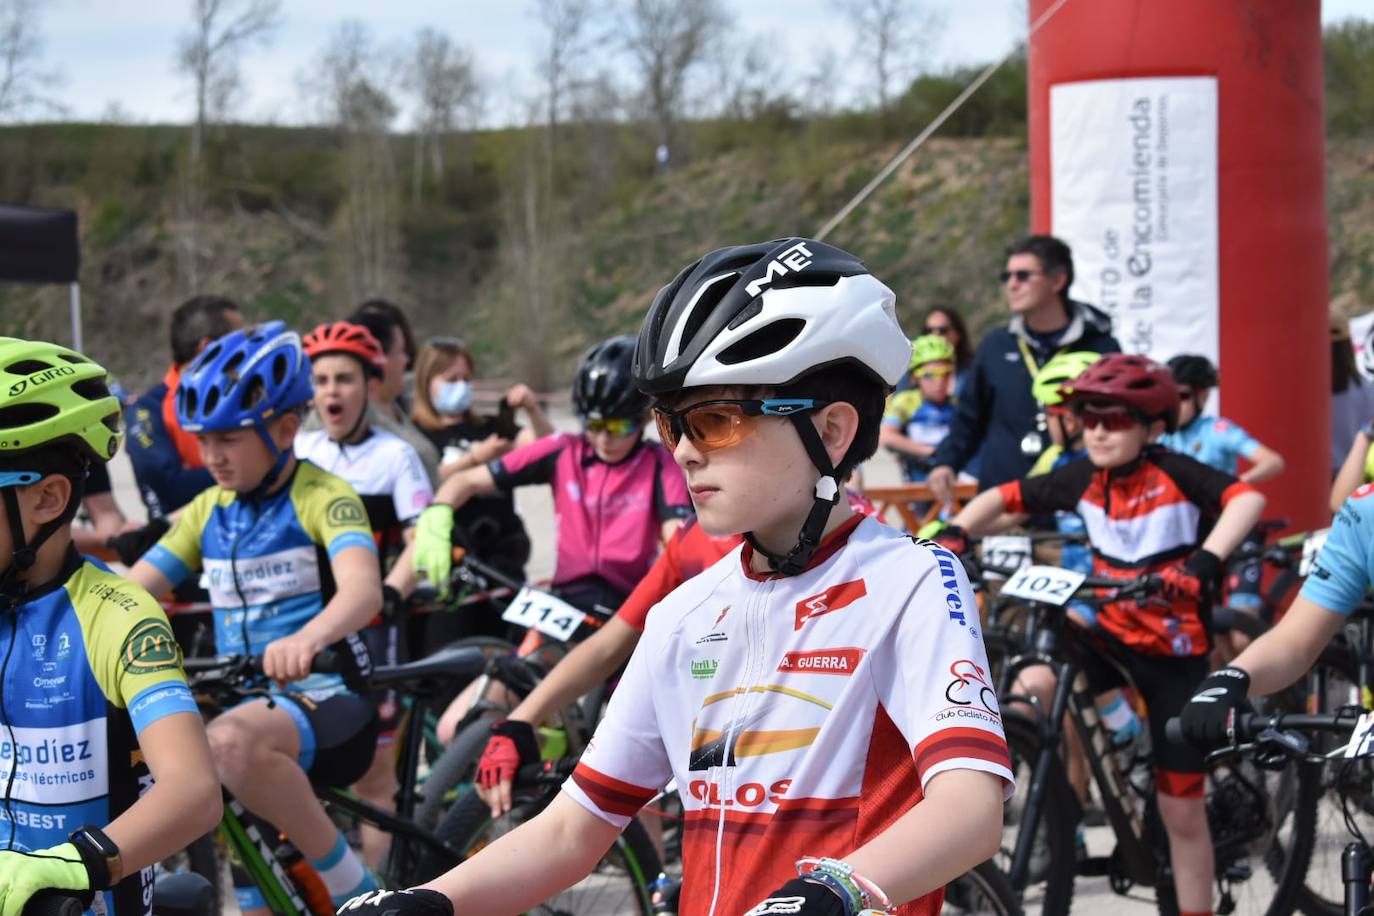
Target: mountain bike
point(1261, 822)
point(1278, 741)
point(272, 863)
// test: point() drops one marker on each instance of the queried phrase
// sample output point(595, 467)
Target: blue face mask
point(453, 398)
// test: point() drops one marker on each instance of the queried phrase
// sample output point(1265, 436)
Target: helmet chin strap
point(827, 495)
point(278, 465)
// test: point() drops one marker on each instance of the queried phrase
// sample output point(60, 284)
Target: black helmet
point(605, 386)
point(1195, 372)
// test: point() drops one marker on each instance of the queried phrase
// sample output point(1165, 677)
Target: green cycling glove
point(932, 528)
point(433, 547)
point(23, 874)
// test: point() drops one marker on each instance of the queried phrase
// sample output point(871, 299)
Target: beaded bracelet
point(865, 894)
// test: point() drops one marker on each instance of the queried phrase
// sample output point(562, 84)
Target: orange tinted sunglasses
point(712, 425)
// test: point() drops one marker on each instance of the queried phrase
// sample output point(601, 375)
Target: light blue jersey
point(1215, 441)
point(1344, 569)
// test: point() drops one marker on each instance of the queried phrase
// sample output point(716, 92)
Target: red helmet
point(343, 337)
point(1135, 381)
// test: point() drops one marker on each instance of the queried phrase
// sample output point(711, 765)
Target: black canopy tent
point(41, 246)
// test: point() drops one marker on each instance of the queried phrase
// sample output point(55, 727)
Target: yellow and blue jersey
point(88, 665)
point(266, 563)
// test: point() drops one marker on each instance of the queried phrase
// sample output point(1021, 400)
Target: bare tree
point(821, 83)
point(22, 79)
point(748, 74)
point(443, 79)
point(567, 26)
point(891, 36)
point(207, 53)
point(352, 84)
point(666, 39)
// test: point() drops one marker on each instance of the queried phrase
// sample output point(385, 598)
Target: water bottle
point(662, 900)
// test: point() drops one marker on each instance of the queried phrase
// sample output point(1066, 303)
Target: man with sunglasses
point(995, 409)
point(616, 495)
point(1147, 511)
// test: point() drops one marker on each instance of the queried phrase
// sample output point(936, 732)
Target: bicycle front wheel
point(984, 891)
point(619, 883)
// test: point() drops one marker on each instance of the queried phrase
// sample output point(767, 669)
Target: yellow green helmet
point(929, 348)
point(48, 394)
point(1059, 371)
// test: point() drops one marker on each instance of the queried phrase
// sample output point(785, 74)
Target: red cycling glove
point(1195, 580)
point(954, 539)
point(512, 745)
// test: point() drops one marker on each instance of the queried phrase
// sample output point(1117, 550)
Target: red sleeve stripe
point(610, 794)
point(1011, 495)
point(956, 743)
point(1235, 490)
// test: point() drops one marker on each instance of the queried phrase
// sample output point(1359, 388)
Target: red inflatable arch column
point(1179, 147)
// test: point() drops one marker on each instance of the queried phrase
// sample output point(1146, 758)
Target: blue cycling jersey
point(1344, 569)
point(1215, 441)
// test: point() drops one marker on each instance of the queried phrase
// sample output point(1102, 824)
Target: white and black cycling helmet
point(770, 314)
point(605, 386)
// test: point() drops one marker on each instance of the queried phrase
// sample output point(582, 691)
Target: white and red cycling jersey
point(799, 716)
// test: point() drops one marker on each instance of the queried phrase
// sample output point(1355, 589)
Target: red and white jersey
point(799, 716)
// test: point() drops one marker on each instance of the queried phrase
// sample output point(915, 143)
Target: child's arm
point(565, 839)
point(1351, 475)
point(1265, 463)
point(893, 439)
point(357, 599)
point(151, 578)
point(464, 485)
point(1237, 519)
point(986, 514)
point(184, 801)
point(954, 827)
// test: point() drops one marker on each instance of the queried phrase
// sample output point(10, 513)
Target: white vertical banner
point(1133, 178)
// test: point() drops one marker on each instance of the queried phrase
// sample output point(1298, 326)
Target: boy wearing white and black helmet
point(820, 695)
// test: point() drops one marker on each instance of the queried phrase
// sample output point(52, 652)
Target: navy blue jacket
point(996, 407)
point(163, 481)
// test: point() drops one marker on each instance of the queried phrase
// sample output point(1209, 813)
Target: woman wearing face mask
point(488, 525)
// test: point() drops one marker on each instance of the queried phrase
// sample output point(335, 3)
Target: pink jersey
point(609, 515)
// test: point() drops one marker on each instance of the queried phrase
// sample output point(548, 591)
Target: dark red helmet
point(343, 337)
point(1136, 381)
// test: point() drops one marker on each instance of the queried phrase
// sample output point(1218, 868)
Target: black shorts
point(338, 734)
point(1165, 683)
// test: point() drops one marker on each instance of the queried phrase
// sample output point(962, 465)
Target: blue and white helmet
point(245, 379)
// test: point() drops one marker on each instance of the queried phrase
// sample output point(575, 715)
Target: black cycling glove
point(418, 902)
point(131, 545)
point(1207, 718)
point(800, 897)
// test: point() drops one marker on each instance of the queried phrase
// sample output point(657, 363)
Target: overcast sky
point(120, 52)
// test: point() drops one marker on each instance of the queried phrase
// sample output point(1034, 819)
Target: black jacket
point(996, 405)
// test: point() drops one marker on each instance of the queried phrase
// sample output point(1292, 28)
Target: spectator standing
point(165, 457)
point(995, 408)
point(1352, 395)
point(946, 321)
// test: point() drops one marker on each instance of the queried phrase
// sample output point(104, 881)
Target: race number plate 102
point(1046, 584)
point(1311, 547)
point(546, 613)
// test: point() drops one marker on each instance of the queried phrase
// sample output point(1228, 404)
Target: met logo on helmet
point(794, 259)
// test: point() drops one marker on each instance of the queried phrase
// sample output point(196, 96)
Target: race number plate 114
point(546, 613)
point(1046, 584)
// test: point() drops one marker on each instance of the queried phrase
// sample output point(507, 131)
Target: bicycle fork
point(1043, 771)
point(1356, 866)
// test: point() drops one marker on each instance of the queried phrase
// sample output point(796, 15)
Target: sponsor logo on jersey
point(723, 611)
point(747, 795)
point(969, 694)
point(954, 603)
point(822, 661)
point(1362, 491)
point(150, 646)
point(712, 637)
point(705, 668)
point(834, 598)
point(56, 766)
point(345, 511)
point(114, 596)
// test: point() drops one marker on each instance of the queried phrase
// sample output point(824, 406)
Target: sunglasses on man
point(1022, 276)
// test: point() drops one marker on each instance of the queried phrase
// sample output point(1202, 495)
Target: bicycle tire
point(1057, 829)
point(630, 862)
point(201, 858)
point(984, 889)
point(453, 766)
point(1322, 893)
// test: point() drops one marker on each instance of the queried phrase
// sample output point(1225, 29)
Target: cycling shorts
point(338, 734)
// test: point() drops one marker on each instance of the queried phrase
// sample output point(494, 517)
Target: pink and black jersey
point(799, 716)
point(609, 515)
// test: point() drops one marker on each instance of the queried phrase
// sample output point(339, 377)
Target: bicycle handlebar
point(1278, 730)
point(1122, 589)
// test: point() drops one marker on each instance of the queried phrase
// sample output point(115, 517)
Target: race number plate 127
point(1046, 584)
point(546, 613)
point(1010, 551)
